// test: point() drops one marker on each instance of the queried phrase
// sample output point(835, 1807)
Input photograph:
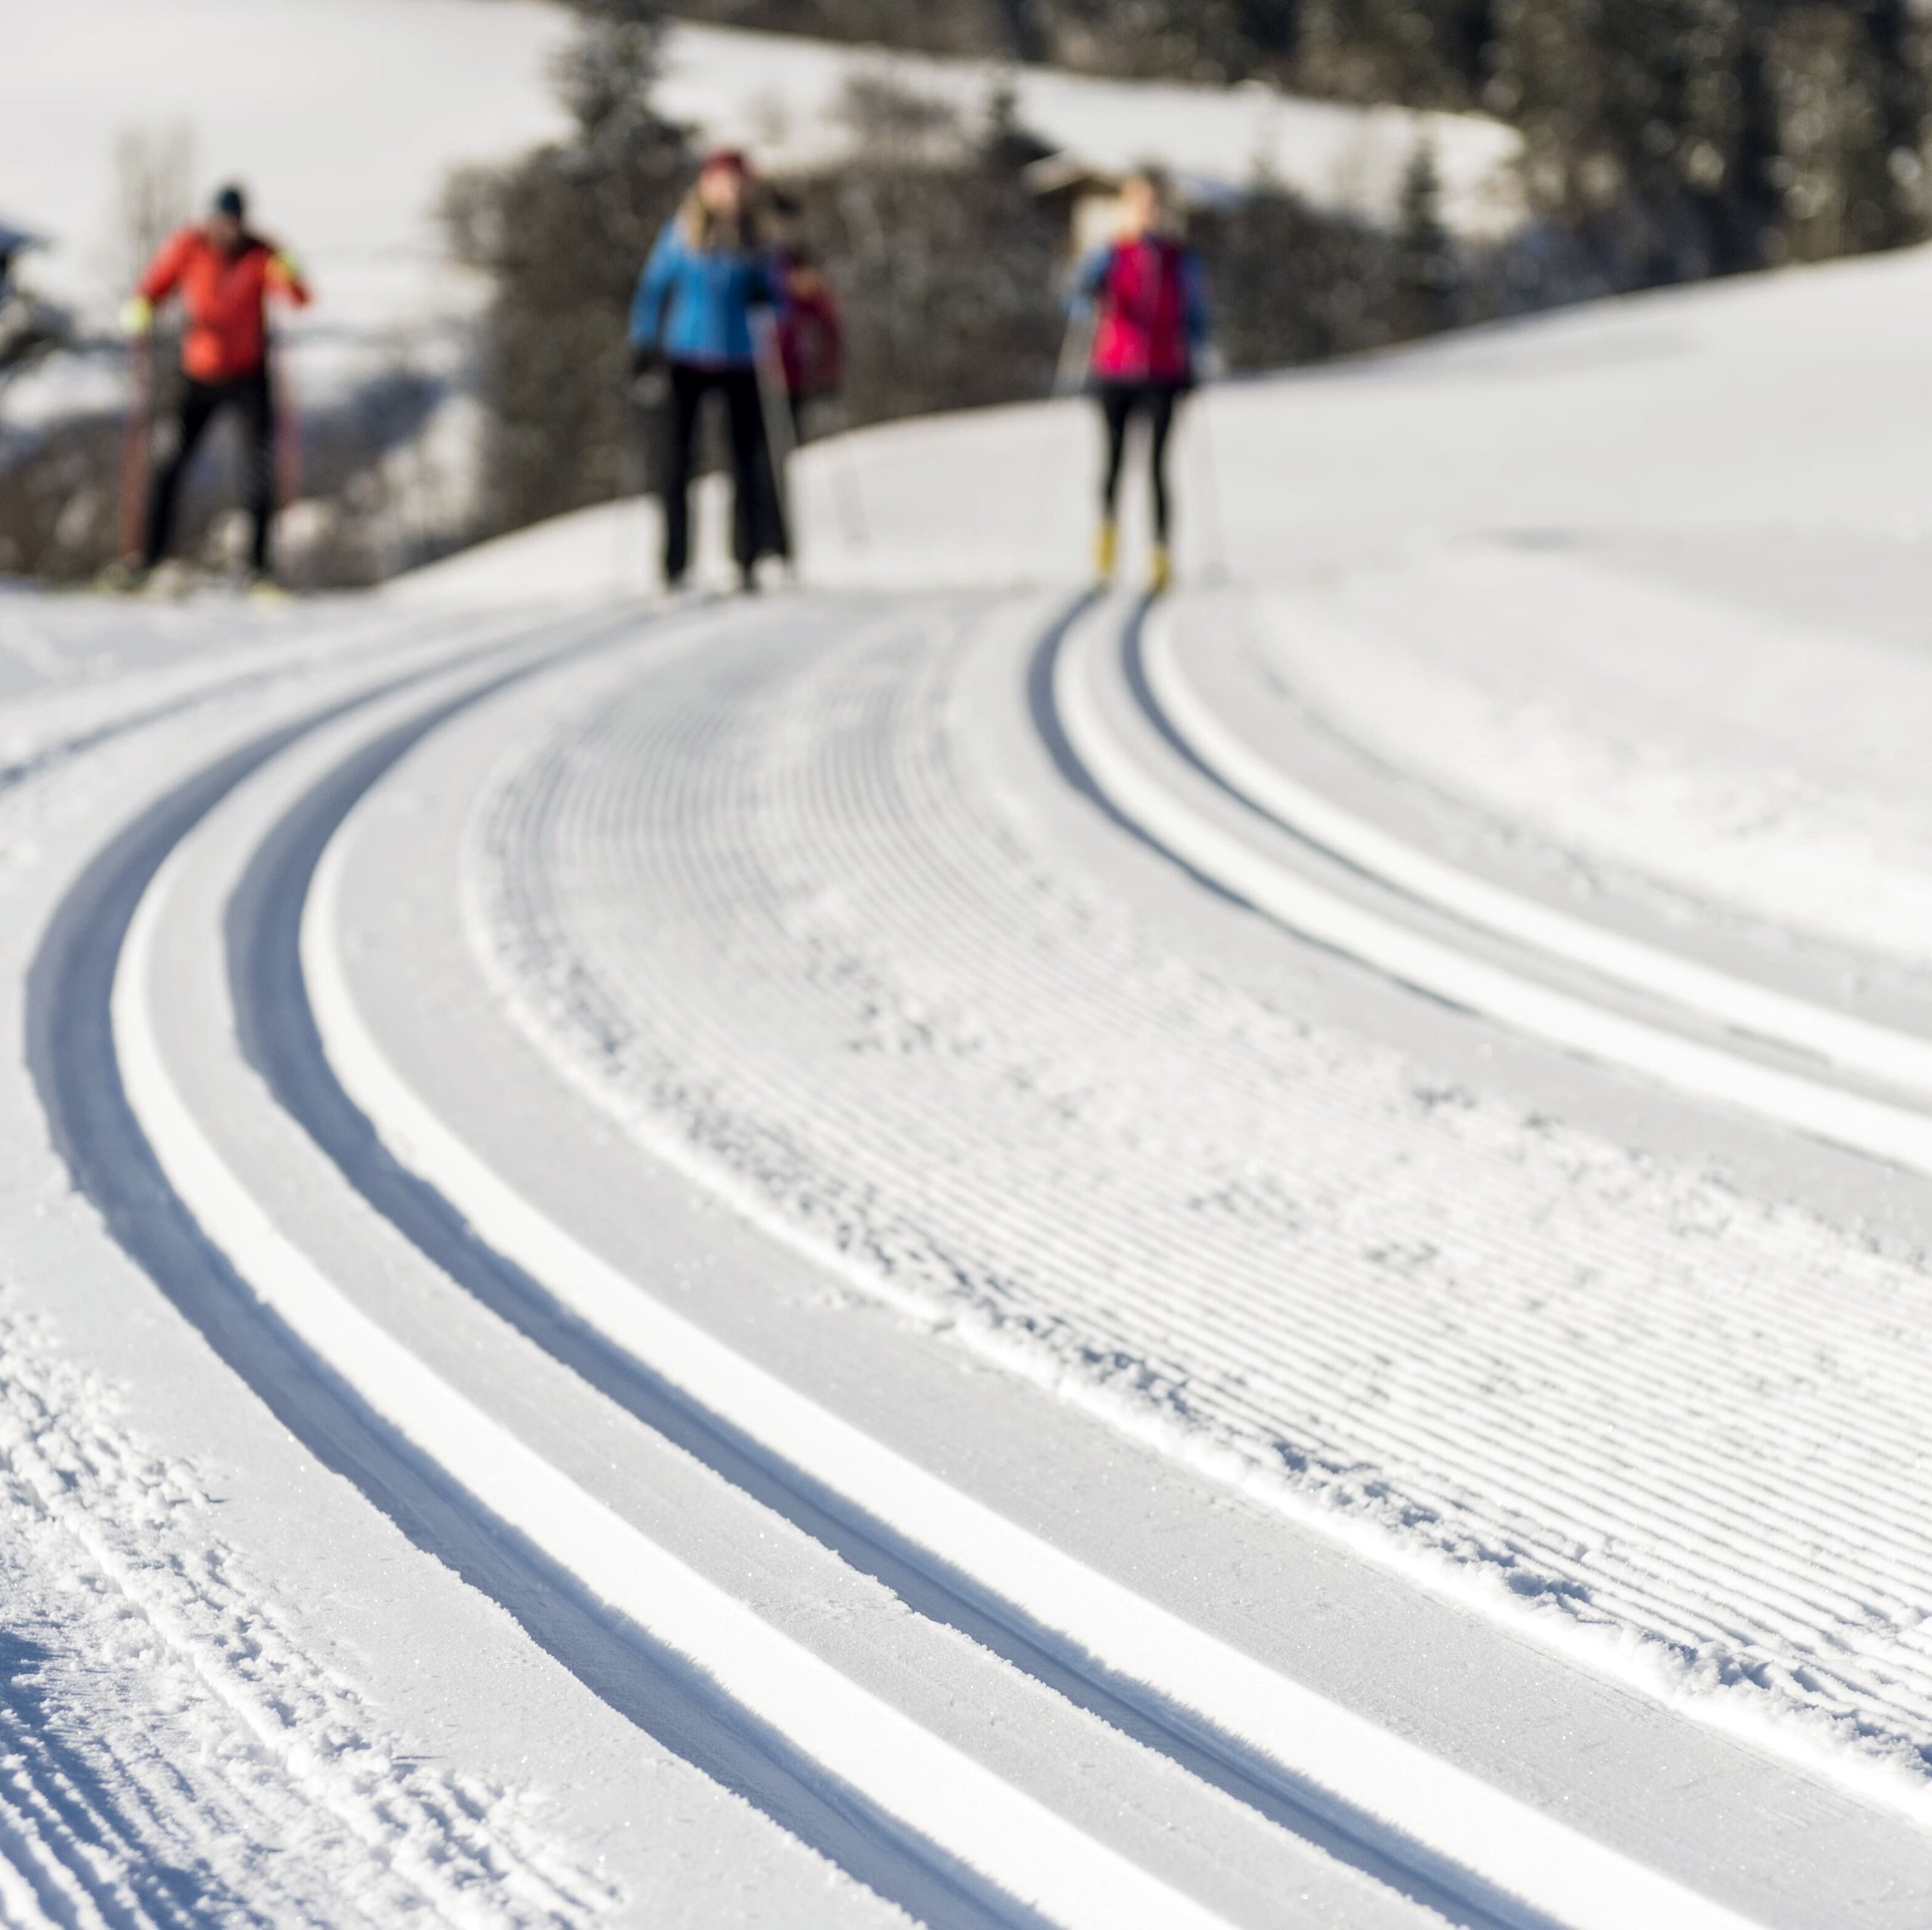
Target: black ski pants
point(1120, 403)
point(201, 403)
point(690, 383)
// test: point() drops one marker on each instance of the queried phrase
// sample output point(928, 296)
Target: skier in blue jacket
point(692, 313)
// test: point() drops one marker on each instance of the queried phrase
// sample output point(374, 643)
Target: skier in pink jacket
point(1148, 296)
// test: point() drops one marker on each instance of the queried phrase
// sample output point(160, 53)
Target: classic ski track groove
point(1737, 1005)
point(1766, 1578)
point(1206, 1695)
point(1441, 969)
point(1146, 801)
point(1306, 912)
point(67, 1813)
point(859, 1739)
point(1006, 1836)
point(276, 1365)
point(1563, 1873)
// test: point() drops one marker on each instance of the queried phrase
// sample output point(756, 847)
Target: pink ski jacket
point(1149, 300)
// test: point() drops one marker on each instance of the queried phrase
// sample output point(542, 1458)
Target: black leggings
point(201, 404)
point(691, 382)
point(1119, 402)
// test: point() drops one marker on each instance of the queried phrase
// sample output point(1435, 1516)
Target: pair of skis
point(136, 441)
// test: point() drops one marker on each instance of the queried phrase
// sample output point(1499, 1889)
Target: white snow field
point(935, 1248)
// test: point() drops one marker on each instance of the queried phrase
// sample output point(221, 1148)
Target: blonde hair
point(1168, 219)
point(709, 232)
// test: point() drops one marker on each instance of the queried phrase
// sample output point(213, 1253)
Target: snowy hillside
point(1780, 404)
point(943, 1247)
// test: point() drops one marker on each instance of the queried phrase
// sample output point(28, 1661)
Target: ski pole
point(850, 496)
point(619, 498)
point(1076, 348)
point(625, 472)
point(287, 453)
point(775, 405)
point(646, 396)
point(134, 446)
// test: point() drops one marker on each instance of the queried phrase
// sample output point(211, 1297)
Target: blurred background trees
point(562, 235)
point(1664, 140)
point(1668, 138)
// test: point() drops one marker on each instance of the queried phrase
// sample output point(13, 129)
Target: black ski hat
point(232, 202)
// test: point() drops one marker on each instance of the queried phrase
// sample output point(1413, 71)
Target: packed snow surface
point(801, 1260)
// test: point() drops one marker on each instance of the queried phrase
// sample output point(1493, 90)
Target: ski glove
point(136, 315)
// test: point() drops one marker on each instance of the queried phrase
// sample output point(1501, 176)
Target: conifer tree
point(1425, 275)
point(562, 234)
point(1883, 186)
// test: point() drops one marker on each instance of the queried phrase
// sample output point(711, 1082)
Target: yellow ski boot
point(1106, 552)
point(1161, 573)
point(265, 593)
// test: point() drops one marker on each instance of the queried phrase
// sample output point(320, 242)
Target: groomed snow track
point(1710, 1034)
point(532, 1412)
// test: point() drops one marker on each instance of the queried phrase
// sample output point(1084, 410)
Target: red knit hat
point(731, 160)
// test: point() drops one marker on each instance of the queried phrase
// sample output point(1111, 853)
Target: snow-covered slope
point(1711, 417)
point(939, 1248)
point(1621, 611)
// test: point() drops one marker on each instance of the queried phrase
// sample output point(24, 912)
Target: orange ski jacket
point(224, 297)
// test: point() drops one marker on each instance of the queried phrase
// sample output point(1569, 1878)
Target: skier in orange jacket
point(225, 276)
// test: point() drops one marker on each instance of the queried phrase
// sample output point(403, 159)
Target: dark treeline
point(562, 233)
point(1673, 138)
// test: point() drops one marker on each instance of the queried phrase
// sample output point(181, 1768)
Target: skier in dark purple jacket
point(1148, 297)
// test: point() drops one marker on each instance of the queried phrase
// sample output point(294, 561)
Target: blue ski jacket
point(694, 305)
